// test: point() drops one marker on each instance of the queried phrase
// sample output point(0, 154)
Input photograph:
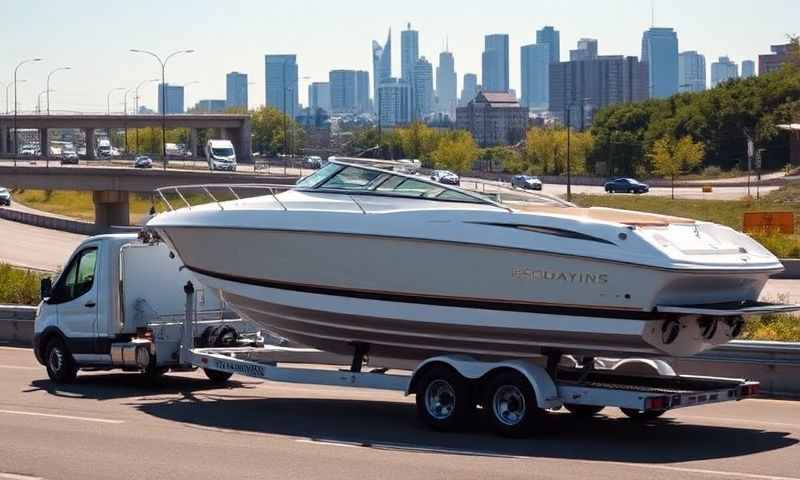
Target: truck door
point(75, 293)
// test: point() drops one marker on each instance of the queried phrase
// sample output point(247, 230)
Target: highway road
point(114, 425)
point(35, 247)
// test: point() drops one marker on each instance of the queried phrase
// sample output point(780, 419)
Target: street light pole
point(569, 157)
point(136, 106)
point(163, 96)
point(39, 100)
point(16, 148)
point(108, 98)
point(48, 84)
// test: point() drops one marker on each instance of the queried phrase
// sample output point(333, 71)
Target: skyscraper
point(381, 64)
point(691, 72)
point(423, 87)
point(174, 103)
point(660, 52)
point(535, 76)
point(409, 53)
point(395, 97)
point(319, 96)
point(723, 70)
point(280, 72)
point(494, 63)
point(362, 91)
point(550, 36)
point(236, 90)
point(342, 90)
point(469, 88)
point(446, 84)
point(587, 50)
point(748, 69)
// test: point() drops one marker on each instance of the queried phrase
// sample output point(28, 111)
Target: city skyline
point(243, 48)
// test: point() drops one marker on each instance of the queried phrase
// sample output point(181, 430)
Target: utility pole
point(569, 157)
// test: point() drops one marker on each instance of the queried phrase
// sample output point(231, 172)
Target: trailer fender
point(645, 366)
point(470, 368)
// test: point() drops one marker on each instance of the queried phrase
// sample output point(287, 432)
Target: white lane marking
point(65, 417)
point(417, 449)
point(19, 367)
point(14, 349)
point(739, 420)
point(15, 476)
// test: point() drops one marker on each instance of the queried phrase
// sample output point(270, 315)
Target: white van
point(221, 155)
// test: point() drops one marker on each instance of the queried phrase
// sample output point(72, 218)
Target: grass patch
point(18, 286)
point(776, 328)
point(76, 204)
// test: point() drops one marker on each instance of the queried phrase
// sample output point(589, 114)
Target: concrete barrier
point(16, 324)
point(792, 271)
point(53, 223)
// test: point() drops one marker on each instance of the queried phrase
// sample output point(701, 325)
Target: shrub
point(18, 287)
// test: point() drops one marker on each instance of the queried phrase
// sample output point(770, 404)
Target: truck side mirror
point(46, 287)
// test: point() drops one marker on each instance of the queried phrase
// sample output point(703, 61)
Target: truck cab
point(119, 303)
point(221, 155)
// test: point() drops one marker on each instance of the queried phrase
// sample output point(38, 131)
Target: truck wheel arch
point(43, 338)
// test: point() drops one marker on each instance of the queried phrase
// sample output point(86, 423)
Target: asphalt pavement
point(115, 425)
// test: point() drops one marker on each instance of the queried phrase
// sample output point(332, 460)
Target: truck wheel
point(216, 376)
point(583, 411)
point(512, 405)
point(444, 399)
point(61, 367)
point(642, 415)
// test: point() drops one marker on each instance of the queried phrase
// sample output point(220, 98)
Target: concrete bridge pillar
point(44, 142)
point(3, 140)
point(90, 143)
point(244, 147)
point(110, 208)
point(193, 142)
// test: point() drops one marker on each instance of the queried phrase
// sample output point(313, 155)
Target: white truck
point(119, 303)
point(221, 155)
point(104, 149)
point(127, 303)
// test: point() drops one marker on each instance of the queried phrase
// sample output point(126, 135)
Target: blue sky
point(94, 37)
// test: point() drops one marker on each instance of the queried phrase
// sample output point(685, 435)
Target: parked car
point(446, 177)
point(626, 185)
point(526, 182)
point(69, 157)
point(5, 197)
point(143, 161)
point(313, 161)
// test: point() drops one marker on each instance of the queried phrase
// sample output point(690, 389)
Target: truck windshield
point(222, 152)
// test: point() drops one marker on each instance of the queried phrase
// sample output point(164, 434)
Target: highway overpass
point(111, 186)
point(235, 127)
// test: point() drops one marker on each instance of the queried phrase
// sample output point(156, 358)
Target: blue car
point(626, 185)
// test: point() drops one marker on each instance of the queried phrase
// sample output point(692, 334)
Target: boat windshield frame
point(382, 175)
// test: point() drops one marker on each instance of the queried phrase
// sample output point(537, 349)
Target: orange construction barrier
point(759, 222)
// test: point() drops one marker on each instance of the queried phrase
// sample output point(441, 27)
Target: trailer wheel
point(512, 405)
point(217, 376)
point(61, 366)
point(583, 411)
point(642, 415)
point(444, 400)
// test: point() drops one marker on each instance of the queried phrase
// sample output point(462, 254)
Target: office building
point(174, 98)
point(395, 102)
point(494, 63)
point(691, 72)
point(423, 87)
point(210, 106)
point(381, 64)
point(469, 88)
point(535, 76)
point(583, 87)
point(343, 91)
point(660, 53)
point(409, 53)
point(493, 118)
point(282, 83)
point(446, 85)
point(587, 50)
point(236, 90)
point(723, 70)
point(552, 37)
point(319, 96)
point(774, 61)
point(748, 69)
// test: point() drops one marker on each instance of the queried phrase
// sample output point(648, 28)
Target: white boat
point(359, 258)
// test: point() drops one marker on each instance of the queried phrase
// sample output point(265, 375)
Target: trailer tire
point(61, 367)
point(216, 376)
point(511, 403)
point(583, 411)
point(642, 415)
point(444, 399)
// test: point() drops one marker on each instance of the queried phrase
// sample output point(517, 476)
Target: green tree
point(268, 127)
point(418, 141)
point(671, 158)
point(456, 151)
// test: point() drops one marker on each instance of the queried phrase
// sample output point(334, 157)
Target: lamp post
point(108, 98)
point(163, 64)
point(48, 84)
point(8, 89)
point(189, 129)
point(39, 100)
point(16, 149)
point(569, 156)
point(136, 105)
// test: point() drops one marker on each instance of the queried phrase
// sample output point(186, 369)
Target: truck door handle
point(90, 304)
